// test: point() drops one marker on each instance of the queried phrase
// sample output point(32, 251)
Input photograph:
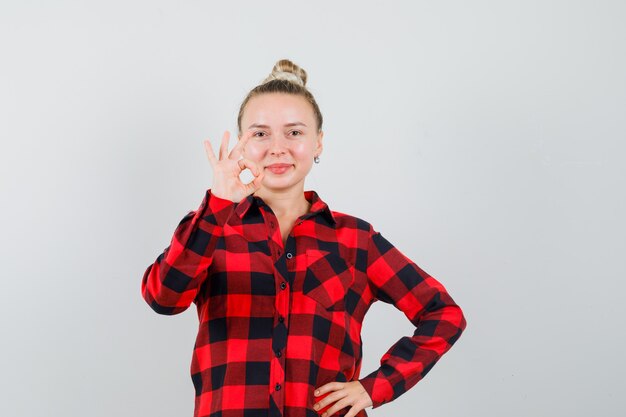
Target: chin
point(282, 184)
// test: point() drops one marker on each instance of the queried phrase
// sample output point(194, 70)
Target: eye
point(257, 133)
point(296, 132)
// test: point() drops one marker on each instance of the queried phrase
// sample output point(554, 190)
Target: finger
point(254, 185)
point(329, 398)
point(224, 145)
point(237, 151)
point(331, 386)
point(321, 390)
point(339, 404)
point(324, 401)
point(258, 181)
point(246, 163)
point(209, 153)
point(241, 164)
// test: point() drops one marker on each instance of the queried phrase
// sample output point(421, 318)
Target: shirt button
point(278, 353)
point(277, 387)
point(283, 285)
point(289, 255)
point(281, 319)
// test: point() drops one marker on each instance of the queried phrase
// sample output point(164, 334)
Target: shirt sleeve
point(439, 321)
point(171, 283)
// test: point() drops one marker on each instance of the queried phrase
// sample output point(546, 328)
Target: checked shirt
point(278, 320)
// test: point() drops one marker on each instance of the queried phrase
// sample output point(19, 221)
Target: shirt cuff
point(378, 388)
point(214, 209)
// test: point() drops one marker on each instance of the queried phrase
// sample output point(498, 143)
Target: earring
point(316, 159)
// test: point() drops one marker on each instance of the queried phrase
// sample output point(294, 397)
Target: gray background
point(485, 139)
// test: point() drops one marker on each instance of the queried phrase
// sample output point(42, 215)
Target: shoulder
point(345, 221)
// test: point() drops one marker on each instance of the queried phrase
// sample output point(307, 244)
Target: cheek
point(254, 150)
point(301, 150)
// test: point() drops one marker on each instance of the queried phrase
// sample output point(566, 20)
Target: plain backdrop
point(485, 139)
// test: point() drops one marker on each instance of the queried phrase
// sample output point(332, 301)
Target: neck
point(285, 203)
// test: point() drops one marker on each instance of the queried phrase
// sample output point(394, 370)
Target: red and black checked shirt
point(278, 321)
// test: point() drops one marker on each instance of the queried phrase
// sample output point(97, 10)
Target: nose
point(278, 144)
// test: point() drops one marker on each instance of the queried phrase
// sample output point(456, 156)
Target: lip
point(279, 169)
point(279, 166)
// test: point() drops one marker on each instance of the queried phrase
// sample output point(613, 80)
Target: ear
point(319, 146)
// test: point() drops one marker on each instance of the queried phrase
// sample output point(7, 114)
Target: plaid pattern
point(277, 321)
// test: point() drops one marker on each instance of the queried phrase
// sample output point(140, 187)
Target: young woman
point(282, 283)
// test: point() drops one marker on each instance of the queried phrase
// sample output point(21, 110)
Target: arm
point(439, 321)
point(171, 283)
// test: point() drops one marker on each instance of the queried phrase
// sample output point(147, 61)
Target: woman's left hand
point(342, 394)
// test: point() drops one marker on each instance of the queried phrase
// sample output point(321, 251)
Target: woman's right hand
point(226, 170)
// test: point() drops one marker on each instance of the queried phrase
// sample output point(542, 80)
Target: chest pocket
point(328, 278)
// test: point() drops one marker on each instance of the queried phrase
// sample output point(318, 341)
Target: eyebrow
point(286, 125)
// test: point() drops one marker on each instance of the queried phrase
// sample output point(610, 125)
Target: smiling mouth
point(278, 169)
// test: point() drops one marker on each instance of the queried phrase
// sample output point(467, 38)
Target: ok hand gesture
point(226, 170)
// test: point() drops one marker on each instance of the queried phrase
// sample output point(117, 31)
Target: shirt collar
point(317, 205)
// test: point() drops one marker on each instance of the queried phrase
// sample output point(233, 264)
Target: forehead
point(277, 108)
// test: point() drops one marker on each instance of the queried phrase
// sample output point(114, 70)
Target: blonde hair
point(286, 77)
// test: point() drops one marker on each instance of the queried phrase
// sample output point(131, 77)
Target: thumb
point(255, 184)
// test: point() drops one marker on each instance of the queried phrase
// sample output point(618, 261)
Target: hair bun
point(286, 78)
point(287, 70)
